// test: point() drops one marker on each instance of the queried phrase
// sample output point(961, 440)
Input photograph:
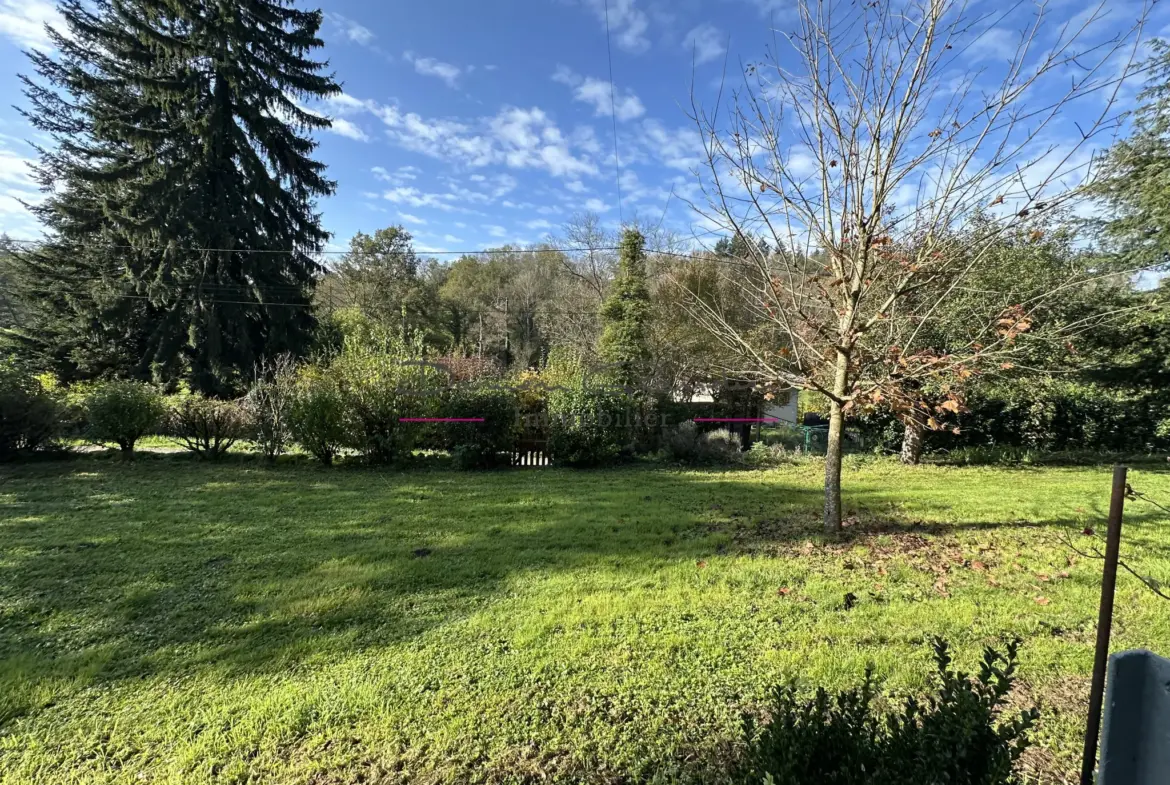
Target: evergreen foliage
point(180, 188)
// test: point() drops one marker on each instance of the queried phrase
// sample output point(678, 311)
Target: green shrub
point(316, 414)
point(382, 385)
point(480, 445)
point(121, 412)
point(206, 426)
point(31, 418)
point(268, 402)
point(956, 735)
point(589, 427)
point(686, 444)
point(589, 422)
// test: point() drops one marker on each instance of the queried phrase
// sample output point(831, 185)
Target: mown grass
point(169, 621)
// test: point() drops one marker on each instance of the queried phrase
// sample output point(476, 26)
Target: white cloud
point(576, 186)
point(627, 23)
point(24, 22)
point(14, 170)
point(343, 104)
point(539, 223)
point(347, 129)
point(680, 148)
point(597, 206)
point(450, 238)
point(399, 176)
point(995, 43)
point(516, 137)
point(412, 219)
point(352, 30)
point(495, 231)
point(413, 197)
point(527, 138)
point(429, 66)
point(20, 189)
point(596, 92)
point(706, 42)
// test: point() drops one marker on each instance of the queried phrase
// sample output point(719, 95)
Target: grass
point(169, 621)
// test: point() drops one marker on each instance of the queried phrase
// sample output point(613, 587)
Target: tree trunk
point(833, 447)
point(912, 440)
point(833, 470)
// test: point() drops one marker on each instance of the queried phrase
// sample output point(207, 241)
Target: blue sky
point(475, 124)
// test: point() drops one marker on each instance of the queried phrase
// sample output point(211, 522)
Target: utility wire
point(422, 255)
point(617, 161)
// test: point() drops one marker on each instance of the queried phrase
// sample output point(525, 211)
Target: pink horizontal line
point(440, 419)
point(736, 419)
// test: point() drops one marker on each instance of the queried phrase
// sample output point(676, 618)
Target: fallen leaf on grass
point(807, 548)
point(784, 591)
point(1087, 531)
point(978, 565)
point(1040, 576)
point(1064, 573)
point(940, 586)
point(1041, 600)
point(701, 564)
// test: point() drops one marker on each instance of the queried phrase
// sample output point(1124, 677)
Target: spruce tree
point(182, 190)
point(626, 312)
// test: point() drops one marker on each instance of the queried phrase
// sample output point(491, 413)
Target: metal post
point(1104, 624)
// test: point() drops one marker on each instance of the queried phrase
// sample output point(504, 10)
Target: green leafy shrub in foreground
point(955, 735)
point(121, 412)
point(31, 418)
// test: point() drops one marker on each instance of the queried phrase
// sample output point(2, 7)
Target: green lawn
point(172, 621)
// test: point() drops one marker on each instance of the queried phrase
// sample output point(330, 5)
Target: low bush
point(31, 418)
point(206, 426)
point(589, 427)
point(316, 414)
point(957, 734)
point(480, 445)
point(589, 422)
point(382, 385)
point(686, 444)
point(268, 401)
point(121, 412)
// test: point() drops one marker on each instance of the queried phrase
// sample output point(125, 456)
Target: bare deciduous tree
point(861, 150)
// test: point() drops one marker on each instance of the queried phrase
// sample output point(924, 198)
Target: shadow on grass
point(115, 571)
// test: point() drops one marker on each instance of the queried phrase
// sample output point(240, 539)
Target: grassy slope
point(175, 622)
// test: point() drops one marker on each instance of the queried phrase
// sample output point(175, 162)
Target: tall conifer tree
point(181, 185)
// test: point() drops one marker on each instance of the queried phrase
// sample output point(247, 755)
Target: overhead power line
point(617, 161)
